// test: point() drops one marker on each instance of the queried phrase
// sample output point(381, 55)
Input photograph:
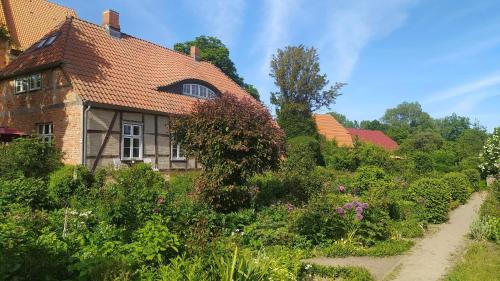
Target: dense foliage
point(434, 195)
point(233, 139)
point(491, 155)
point(296, 120)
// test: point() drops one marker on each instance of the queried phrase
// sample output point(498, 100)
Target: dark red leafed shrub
point(234, 139)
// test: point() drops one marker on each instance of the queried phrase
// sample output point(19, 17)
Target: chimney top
point(111, 19)
point(195, 53)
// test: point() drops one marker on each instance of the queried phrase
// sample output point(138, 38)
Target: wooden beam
point(156, 141)
point(104, 142)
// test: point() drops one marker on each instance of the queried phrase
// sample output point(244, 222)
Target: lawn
point(480, 262)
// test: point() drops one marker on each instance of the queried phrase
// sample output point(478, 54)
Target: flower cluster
point(341, 188)
point(358, 208)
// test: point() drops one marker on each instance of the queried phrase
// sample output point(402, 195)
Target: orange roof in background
point(375, 137)
point(29, 20)
point(332, 129)
point(123, 71)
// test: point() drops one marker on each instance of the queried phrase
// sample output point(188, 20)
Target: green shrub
point(296, 120)
point(459, 186)
point(67, 181)
point(30, 192)
point(434, 196)
point(486, 228)
point(270, 188)
point(367, 177)
point(379, 249)
point(474, 178)
point(29, 157)
point(318, 272)
point(303, 154)
point(339, 158)
point(367, 154)
point(423, 163)
point(444, 160)
point(133, 196)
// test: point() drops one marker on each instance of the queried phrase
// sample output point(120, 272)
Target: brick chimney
point(195, 53)
point(111, 19)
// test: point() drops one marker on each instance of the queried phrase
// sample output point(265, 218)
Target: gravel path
point(429, 259)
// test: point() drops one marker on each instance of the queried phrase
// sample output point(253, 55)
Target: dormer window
point(197, 90)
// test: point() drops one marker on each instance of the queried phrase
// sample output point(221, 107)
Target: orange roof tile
point(29, 20)
point(332, 129)
point(123, 71)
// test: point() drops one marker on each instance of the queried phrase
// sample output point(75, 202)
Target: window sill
point(178, 159)
point(27, 92)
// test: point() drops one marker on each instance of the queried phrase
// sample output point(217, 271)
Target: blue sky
point(444, 54)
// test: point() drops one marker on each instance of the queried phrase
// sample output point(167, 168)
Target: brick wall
point(55, 103)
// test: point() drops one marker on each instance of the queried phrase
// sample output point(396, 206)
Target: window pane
point(186, 88)
point(135, 153)
point(40, 129)
point(137, 130)
point(203, 91)
point(126, 147)
point(126, 129)
point(35, 81)
point(46, 129)
point(135, 143)
point(194, 90)
point(181, 152)
point(174, 150)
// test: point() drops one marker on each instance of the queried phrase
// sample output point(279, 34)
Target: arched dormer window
point(197, 90)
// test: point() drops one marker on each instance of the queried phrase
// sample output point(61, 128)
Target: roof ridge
point(170, 50)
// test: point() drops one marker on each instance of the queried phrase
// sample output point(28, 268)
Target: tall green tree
point(372, 125)
point(451, 127)
point(296, 73)
point(213, 50)
point(405, 119)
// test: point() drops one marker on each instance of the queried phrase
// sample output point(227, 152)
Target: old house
point(105, 97)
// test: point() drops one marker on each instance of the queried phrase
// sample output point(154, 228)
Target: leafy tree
point(296, 73)
point(451, 127)
point(470, 143)
point(296, 120)
point(342, 119)
point(405, 119)
point(213, 50)
point(373, 125)
point(425, 141)
point(491, 155)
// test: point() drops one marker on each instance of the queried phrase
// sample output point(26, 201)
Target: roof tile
point(375, 137)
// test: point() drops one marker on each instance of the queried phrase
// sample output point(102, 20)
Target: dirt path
point(429, 259)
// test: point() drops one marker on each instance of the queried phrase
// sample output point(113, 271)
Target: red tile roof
point(123, 71)
point(375, 137)
point(29, 20)
point(329, 127)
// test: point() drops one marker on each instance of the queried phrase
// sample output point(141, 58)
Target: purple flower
point(359, 210)
point(290, 207)
point(340, 211)
point(364, 205)
point(348, 206)
point(359, 216)
point(341, 188)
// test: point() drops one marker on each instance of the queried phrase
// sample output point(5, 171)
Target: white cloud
point(466, 89)
point(352, 25)
point(222, 17)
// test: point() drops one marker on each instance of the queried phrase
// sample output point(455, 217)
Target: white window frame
point(196, 90)
point(35, 81)
point(175, 150)
point(46, 131)
point(21, 84)
point(132, 137)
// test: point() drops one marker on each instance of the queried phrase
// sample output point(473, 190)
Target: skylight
point(46, 41)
